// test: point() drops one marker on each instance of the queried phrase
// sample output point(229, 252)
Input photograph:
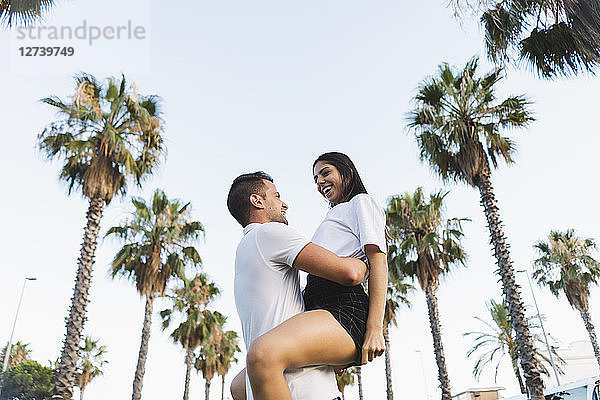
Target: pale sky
point(270, 85)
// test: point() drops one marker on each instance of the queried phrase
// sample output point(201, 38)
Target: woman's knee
point(263, 355)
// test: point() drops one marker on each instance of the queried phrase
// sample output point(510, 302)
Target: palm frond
point(457, 122)
point(157, 248)
point(421, 245)
point(100, 157)
point(557, 39)
point(23, 12)
point(498, 340)
point(566, 266)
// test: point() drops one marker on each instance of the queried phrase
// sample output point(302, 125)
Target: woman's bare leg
point(309, 338)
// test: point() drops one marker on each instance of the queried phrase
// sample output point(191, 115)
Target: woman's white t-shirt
point(348, 227)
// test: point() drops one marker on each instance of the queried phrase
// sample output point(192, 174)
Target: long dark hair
point(351, 182)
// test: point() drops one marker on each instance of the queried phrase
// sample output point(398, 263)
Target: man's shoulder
point(274, 241)
point(274, 230)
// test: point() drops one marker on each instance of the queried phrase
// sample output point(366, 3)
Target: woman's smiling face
point(329, 181)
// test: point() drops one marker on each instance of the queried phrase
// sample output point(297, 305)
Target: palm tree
point(90, 364)
point(499, 339)
point(19, 352)
point(191, 300)
point(358, 372)
point(226, 355)
point(425, 249)
point(557, 38)
point(454, 115)
point(566, 266)
point(346, 379)
point(207, 361)
point(397, 294)
point(22, 12)
point(106, 135)
point(159, 241)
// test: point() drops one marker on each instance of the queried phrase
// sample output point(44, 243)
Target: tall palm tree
point(207, 361)
point(358, 372)
point(425, 248)
point(107, 135)
point(344, 380)
point(159, 242)
point(90, 364)
point(557, 38)
point(226, 356)
point(457, 122)
point(499, 340)
point(190, 301)
point(22, 11)
point(566, 266)
point(19, 352)
point(397, 294)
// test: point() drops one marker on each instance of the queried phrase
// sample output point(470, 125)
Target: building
point(485, 393)
point(580, 363)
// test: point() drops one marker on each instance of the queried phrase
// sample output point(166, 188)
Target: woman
point(342, 325)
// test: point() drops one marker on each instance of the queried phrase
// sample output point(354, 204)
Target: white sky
point(270, 85)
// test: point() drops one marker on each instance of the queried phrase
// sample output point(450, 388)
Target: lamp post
point(9, 345)
point(542, 325)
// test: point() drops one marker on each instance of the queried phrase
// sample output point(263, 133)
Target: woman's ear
point(257, 201)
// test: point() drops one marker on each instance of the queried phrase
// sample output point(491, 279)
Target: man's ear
point(257, 201)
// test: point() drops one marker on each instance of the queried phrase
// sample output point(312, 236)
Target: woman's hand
point(373, 346)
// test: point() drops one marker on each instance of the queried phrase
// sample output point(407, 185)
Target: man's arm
point(321, 262)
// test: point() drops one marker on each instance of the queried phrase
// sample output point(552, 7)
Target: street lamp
point(9, 345)
point(542, 325)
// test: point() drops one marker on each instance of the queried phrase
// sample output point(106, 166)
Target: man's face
point(275, 208)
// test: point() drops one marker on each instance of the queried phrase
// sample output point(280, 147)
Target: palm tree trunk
point(222, 387)
point(525, 347)
point(434, 322)
point(515, 365)
point(81, 393)
point(388, 366)
point(360, 383)
point(587, 320)
point(206, 389)
point(65, 378)
point(139, 371)
point(189, 357)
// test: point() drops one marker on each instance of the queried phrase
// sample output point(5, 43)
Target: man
point(266, 283)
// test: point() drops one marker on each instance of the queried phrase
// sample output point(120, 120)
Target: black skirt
point(349, 305)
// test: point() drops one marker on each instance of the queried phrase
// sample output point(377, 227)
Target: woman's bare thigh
point(310, 338)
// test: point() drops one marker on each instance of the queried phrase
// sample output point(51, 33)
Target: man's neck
point(258, 219)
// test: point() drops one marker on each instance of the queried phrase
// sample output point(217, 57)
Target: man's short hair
point(238, 199)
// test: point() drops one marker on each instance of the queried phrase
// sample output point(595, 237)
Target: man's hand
point(373, 346)
point(238, 386)
point(321, 262)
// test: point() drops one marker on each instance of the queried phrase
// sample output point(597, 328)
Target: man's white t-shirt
point(267, 292)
